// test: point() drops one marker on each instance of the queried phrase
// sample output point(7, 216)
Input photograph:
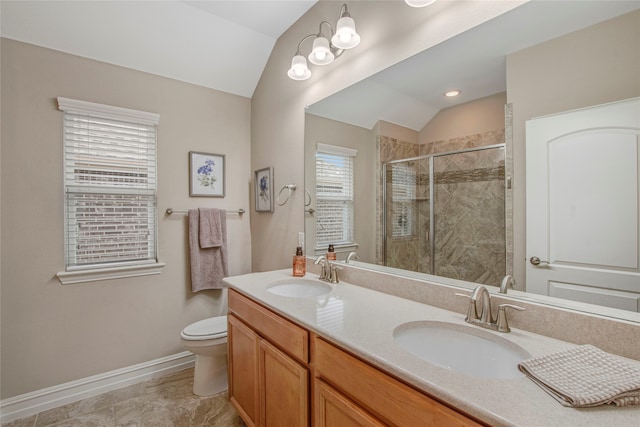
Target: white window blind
point(334, 194)
point(110, 185)
point(403, 182)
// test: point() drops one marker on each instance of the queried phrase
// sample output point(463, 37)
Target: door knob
point(537, 261)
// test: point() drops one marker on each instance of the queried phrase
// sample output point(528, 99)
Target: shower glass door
point(469, 215)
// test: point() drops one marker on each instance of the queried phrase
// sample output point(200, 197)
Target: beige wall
point(593, 66)
point(277, 106)
point(52, 333)
point(471, 118)
point(326, 131)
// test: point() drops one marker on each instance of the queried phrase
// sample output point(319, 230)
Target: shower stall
point(444, 214)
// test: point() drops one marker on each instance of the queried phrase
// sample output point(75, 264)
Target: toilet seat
point(207, 329)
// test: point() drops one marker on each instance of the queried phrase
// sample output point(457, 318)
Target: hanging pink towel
point(208, 264)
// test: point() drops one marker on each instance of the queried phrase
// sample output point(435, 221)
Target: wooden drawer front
point(387, 398)
point(284, 334)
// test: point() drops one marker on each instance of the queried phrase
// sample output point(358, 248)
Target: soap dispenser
point(299, 263)
point(331, 254)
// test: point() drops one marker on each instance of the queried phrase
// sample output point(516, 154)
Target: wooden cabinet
point(243, 370)
point(375, 394)
point(284, 389)
point(333, 409)
point(268, 366)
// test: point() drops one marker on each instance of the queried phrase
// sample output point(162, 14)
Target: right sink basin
point(464, 349)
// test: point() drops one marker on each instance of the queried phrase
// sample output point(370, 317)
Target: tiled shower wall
point(469, 207)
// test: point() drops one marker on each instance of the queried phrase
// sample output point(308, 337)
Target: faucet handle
point(472, 312)
point(333, 273)
point(503, 325)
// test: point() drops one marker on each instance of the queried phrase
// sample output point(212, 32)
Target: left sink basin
point(299, 288)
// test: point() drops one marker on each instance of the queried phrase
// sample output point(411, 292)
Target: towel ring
point(306, 193)
point(290, 187)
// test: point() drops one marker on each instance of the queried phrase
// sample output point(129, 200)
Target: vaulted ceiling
point(222, 45)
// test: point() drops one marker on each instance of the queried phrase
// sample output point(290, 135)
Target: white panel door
point(583, 202)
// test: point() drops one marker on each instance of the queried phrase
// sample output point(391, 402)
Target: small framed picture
point(264, 189)
point(206, 174)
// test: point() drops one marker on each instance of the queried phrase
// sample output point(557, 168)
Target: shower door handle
point(426, 235)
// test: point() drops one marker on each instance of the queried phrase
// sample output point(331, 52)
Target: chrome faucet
point(352, 255)
point(507, 282)
point(479, 311)
point(483, 311)
point(324, 267)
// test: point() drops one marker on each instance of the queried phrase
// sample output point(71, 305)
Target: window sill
point(82, 276)
point(339, 248)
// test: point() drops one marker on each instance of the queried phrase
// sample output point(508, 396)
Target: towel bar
point(170, 211)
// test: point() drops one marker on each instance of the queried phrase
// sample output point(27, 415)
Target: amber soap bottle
point(299, 263)
point(331, 254)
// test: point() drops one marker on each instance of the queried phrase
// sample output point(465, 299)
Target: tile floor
point(164, 402)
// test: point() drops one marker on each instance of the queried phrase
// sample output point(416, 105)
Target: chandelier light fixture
point(325, 49)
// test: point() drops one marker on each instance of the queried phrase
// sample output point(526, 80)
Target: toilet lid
point(214, 327)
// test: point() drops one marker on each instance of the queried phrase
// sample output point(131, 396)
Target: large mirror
point(426, 179)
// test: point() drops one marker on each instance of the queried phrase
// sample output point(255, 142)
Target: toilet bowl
point(207, 339)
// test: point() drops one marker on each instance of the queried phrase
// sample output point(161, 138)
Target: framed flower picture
point(264, 189)
point(206, 174)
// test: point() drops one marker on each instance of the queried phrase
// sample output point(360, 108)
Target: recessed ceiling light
point(452, 93)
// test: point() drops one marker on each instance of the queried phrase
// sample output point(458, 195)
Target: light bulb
point(346, 36)
point(321, 53)
point(299, 69)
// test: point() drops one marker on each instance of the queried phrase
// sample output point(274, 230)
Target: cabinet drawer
point(284, 334)
point(389, 399)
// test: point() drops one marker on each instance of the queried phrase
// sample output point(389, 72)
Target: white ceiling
point(225, 45)
point(222, 45)
point(411, 93)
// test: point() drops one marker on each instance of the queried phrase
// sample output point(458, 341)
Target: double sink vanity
point(303, 351)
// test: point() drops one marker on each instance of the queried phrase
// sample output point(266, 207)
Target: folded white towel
point(585, 376)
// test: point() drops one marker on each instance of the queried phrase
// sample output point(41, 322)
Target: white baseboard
point(52, 397)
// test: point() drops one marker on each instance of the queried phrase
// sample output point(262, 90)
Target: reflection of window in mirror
point(334, 196)
point(403, 193)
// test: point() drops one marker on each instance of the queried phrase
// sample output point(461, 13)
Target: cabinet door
point(243, 370)
point(284, 386)
point(333, 409)
point(388, 399)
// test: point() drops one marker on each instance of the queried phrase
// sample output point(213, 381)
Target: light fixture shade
point(419, 3)
point(345, 36)
point(321, 53)
point(299, 69)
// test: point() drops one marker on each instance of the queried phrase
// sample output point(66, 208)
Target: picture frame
point(263, 182)
point(206, 174)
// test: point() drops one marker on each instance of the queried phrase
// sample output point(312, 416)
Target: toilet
point(207, 339)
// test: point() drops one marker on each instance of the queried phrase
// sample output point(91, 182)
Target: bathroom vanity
point(331, 359)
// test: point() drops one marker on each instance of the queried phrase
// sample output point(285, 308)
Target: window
point(403, 183)
point(334, 194)
point(110, 191)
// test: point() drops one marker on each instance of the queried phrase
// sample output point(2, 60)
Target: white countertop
point(362, 321)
